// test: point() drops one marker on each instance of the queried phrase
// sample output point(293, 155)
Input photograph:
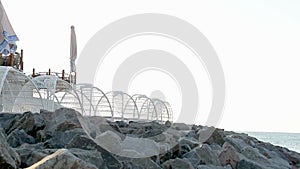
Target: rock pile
point(64, 139)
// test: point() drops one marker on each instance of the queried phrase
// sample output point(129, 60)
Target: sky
point(257, 43)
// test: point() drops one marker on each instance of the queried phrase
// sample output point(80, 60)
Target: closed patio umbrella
point(73, 55)
point(73, 49)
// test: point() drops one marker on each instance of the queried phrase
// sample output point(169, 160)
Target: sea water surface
point(288, 140)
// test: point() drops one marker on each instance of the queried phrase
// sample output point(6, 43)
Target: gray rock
point(143, 146)
point(168, 124)
point(181, 126)
point(247, 164)
point(25, 122)
point(109, 141)
point(177, 164)
point(254, 155)
point(191, 142)
point(8, 157)
point(202, 155)
point(91, 156)
point(86, 143)
point(62, 159)
point(32, 153)
point(213, 167)
point(139, 163)
point(210, 135)
point(228, 156)
point(19, 137)
point(61, 139)
point(6, 120)
point(237, 143)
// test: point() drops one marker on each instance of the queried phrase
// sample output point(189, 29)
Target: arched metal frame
point(139, 96)
point(21, 93)
point(124, 106)
point(53, 86)
point(93, 107)
point(18, 92)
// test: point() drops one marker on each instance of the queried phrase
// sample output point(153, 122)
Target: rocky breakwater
point(64, 139)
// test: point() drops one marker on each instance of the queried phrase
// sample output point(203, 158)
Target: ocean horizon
point(288, 140)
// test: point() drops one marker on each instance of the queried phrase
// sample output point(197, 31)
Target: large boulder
point(228, 155)
point(177, 164)
point(143, 146)
point(202, 155)
point(91, 156)
point(210, 135)
point(139, 163)
point(59, 139)
point(181, 126)
point(62, 159)
point(213, 167)
point(6, 120)
point(86, 143)
point(19, 137)
point(109, 141)
point(32, 153)
point(237, 143)
point(29, 122)
point(62, 119)
point(248, 164)
point(8, 157)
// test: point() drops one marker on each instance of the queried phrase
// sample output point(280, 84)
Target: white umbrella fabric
point(8, 36)
point(73, 49)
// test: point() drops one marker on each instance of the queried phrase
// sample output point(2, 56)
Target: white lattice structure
point(94, 101)
point(57, 93)
point(18, 92)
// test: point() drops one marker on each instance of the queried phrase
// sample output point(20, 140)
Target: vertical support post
point(1, 59)
point(11, 61)
point(21, 61)
point(33, 72)
point(49, 71)
point(63, 75)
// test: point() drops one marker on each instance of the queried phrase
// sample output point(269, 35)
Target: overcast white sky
point(257, 41)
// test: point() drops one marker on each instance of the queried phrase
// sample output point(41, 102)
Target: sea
point(288, 140)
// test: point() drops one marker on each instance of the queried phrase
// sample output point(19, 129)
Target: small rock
point(168, 124)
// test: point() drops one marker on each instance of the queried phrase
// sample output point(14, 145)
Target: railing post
point(11, 61)
point(63, 75)
point(21, 61)
point(33, 72)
